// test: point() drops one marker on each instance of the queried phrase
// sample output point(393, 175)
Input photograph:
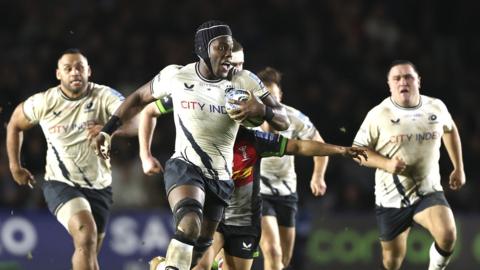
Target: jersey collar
point(197, 70)
point(407, 108)
point(87, 92)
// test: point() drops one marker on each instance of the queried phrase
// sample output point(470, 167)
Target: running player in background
point(279, 183)
point(238, 56)
point(198, 175)
point(406, 154)
point(77, 183)
point(239, 231)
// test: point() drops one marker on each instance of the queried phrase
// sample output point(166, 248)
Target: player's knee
point(272, 252)
point(391, 262)
point(85, 236)
point(188, 218)
point(448, 239)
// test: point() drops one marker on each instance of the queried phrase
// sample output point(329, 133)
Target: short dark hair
point(269, 75)
point(402, 62)
point(71, 51)
point(236, 46)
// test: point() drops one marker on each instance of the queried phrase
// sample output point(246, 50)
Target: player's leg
point(186, 202)
point(217, 194)
point(74, 212)
point(83, 230)
point(287, 242)
point(270, 243)
point(241, 246)
point(205, 263)
point(394, 225)
point(435, 215)
point(204, 241)
point(100, 202)
point(76, 216)
point(236, 263)
point(286, 210)
point(186, 196)
point(218, 262)
point(394, 251)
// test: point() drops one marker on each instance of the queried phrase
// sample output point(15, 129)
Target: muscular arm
point(280, 120)
point(453, 145)
point(129, 108)
point(395, 165)
point(313, 148)
point(17, 124)
point(319, 149)
point(148, 121)
point(128, 129)
point(134, 103)
point(317, 182)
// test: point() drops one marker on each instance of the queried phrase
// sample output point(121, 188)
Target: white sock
point(437, 260)
point(179, 255)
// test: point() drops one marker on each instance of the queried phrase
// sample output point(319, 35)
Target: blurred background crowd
point(334, 55)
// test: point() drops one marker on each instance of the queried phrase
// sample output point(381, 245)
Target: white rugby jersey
point(278, 173)
point(204, 132)
point(413, 134)
point(64, 121)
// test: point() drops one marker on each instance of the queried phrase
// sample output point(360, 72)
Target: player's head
point(272, 79)
point(404, 83)
point(73, 71)
point(238, 57)
point(213, 44)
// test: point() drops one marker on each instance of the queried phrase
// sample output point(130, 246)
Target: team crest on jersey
point(243, 149)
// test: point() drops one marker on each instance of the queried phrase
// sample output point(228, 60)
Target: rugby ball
point(241, 95)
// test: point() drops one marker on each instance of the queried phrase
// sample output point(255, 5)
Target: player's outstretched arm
point(148, 121)
point(315, 148)
point(132, 105)
point(17, 124)
point(454, 148)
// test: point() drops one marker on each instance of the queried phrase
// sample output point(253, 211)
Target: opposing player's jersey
point(250, 146)
point(413, 134)
point(204, 132)
point(278, 173)
point(64, 121)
